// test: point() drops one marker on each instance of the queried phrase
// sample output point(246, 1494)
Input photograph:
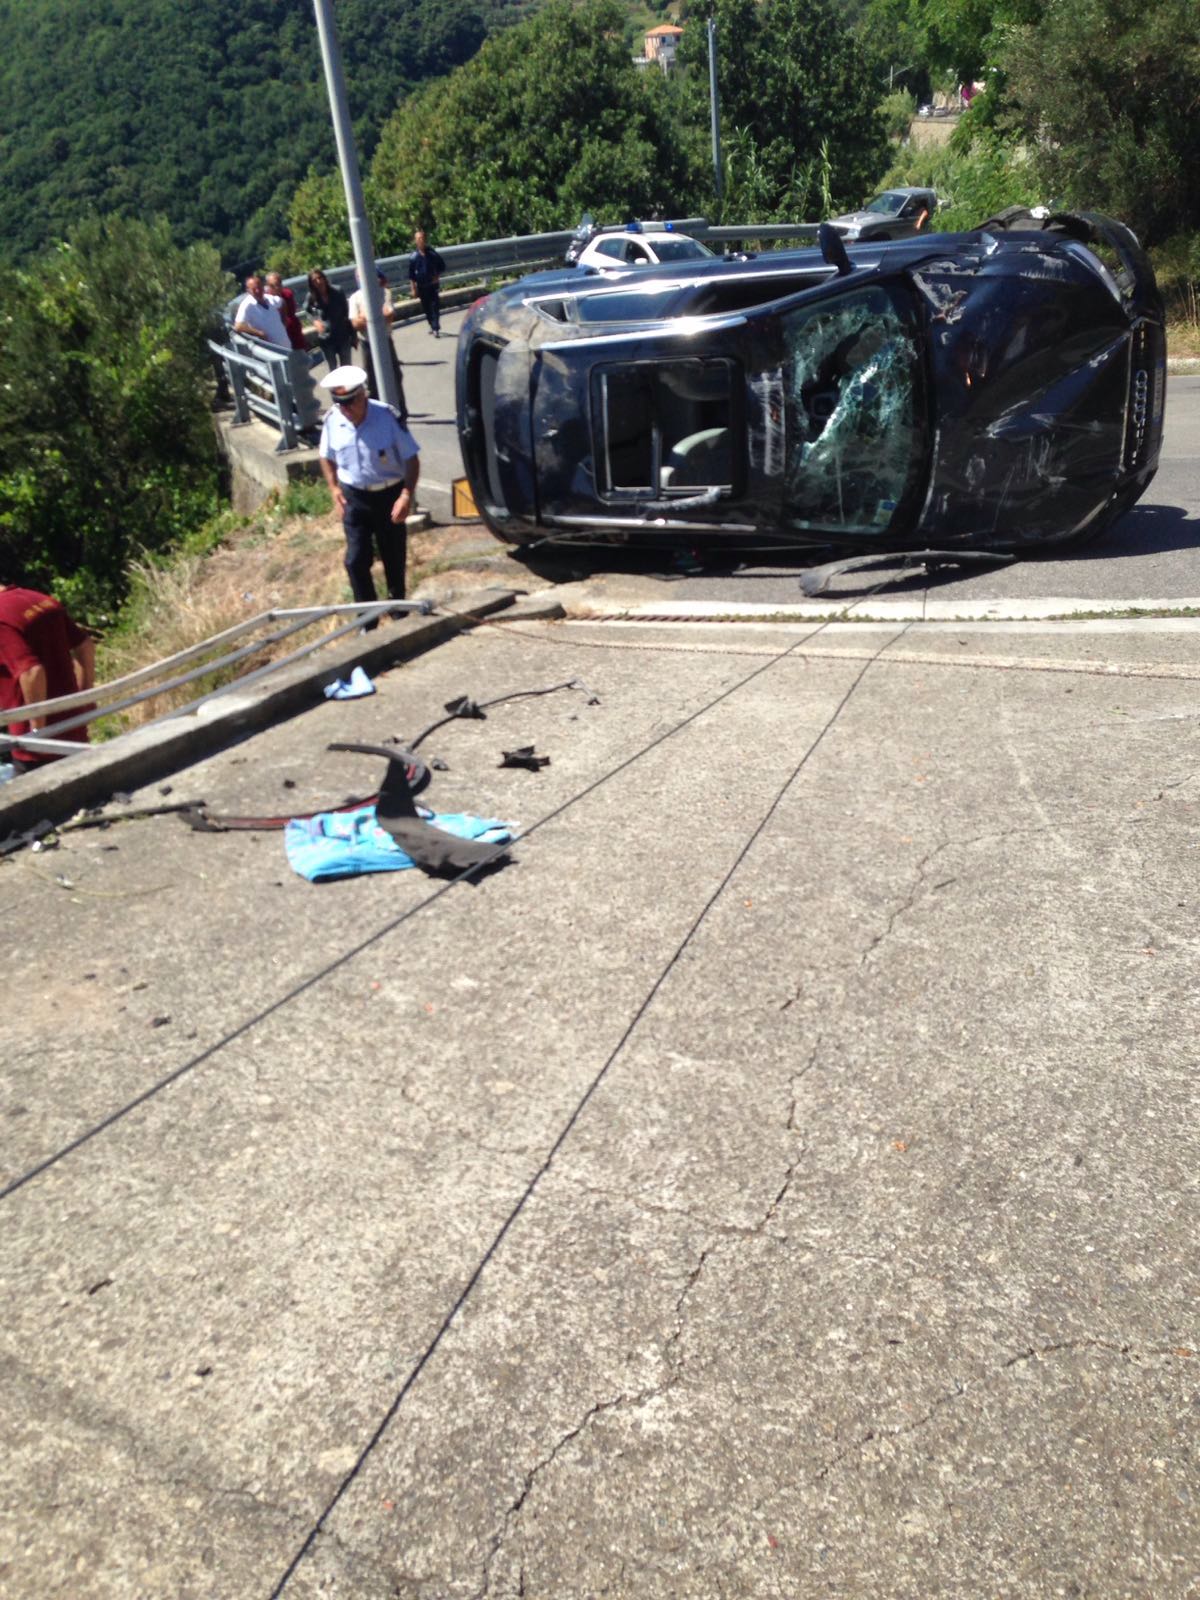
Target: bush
point(106, 442)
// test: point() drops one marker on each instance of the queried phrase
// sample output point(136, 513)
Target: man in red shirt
point(43, 654)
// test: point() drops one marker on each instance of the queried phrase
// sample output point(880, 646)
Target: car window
point(885, 204)
point(853, 435)
point(611, 247)
point(630, 305)
point(680, 250)
point(636, 252)
point(665, 427)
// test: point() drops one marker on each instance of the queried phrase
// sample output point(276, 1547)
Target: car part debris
point(441, 854)
point(464, 706)
point(524, 757)
point(201, 820)
point(815, 579)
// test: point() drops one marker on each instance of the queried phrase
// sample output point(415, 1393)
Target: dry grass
point(271, 562)
point(266, 564)
point(1183, 321)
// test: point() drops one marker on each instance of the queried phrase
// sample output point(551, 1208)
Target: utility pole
point(718, 182)
point(378, 333)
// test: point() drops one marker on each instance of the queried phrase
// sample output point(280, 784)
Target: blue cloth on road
point(351, 688)
point(343, 844)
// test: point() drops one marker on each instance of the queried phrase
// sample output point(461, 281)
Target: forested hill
point(207, 111)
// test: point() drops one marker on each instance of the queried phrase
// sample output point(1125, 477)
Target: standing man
point(260, 316)
point(43, 655)
point(358, 321)
point(291, 322)
point(371, 464)
point(425, 268)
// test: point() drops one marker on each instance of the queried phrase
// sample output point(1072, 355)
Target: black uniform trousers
point(368, 525)
point(430, 296)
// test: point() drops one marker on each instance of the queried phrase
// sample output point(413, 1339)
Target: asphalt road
point(1150, 554)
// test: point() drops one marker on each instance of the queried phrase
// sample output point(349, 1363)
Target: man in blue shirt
point(425, 268)
point(371, 465)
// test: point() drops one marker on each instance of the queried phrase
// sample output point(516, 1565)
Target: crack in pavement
point(640, 1397)
point(985, 1379)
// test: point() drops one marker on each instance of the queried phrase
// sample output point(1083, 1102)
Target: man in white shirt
point(358, 321)
point(259, 317)
point(371, 464)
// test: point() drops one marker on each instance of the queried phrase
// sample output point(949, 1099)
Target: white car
point(640, 248)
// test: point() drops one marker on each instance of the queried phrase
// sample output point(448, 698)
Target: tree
point(1108, 94)
point(792, 81)
point(106, 442)
point(549, 120)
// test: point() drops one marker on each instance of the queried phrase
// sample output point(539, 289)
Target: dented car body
point(994, 390)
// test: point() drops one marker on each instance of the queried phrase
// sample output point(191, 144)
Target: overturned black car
point(997, 390)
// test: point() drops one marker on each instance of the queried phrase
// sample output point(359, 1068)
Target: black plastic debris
point(813, 580)
point(525, 757)
point(442, 855)
point(464, 706)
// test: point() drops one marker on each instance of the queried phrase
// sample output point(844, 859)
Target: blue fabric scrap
point(343, 844)
point(351, 688)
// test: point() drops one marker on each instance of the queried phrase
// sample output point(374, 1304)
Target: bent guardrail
point(209, 656)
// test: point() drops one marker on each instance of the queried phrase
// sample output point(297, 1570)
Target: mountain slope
point(209, 112)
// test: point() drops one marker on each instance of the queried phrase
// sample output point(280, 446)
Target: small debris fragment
point(165, 788)
point(103, 1284)
point(464, 706)
point(159, 1022)
point(524, 757)
point(289, 783)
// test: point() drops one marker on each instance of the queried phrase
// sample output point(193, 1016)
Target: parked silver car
point(894, 214)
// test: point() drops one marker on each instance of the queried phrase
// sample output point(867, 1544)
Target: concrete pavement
point(779, 1181)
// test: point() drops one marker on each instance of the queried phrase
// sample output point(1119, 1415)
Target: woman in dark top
point(330, 314)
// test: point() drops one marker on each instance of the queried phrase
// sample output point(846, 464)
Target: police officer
point(371, 464)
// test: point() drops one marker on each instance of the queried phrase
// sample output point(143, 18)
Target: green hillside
point(209, 112)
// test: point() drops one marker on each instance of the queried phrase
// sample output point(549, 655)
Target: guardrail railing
point(119, 694)
point(260, 381)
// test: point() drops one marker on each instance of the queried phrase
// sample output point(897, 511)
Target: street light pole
point(378, 334)
point(718, 183)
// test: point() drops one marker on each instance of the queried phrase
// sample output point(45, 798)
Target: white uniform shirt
point(265, 318)
point(369, 456)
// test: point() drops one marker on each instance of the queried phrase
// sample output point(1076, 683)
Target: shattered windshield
point(853, 434)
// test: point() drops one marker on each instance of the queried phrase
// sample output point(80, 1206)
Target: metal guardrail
point(260, 380)
point(767, 230)
point(105, 699)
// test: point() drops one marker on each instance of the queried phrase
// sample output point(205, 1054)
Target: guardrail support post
point(237, 383)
